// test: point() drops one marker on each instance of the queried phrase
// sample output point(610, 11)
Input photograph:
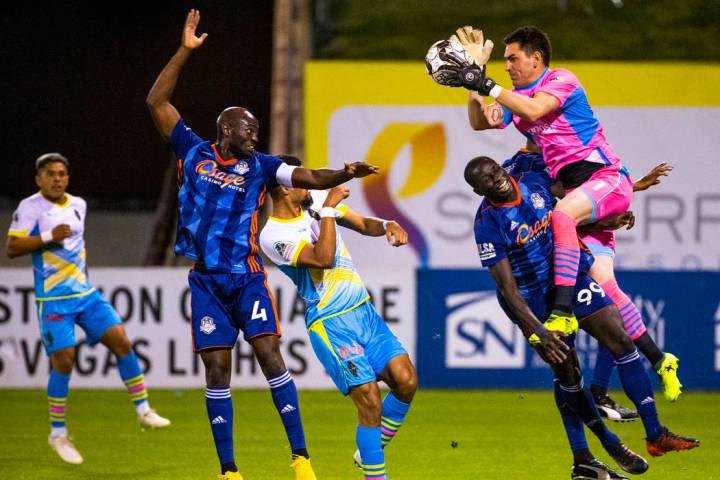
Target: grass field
point(499, 435)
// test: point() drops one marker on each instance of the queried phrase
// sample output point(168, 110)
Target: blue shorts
point(354, 347)
point(589, 298)
point(58, 318)
point(223, 304)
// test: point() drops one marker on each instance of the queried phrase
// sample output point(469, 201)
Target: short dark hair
point(531, 40)
point(290, 160)
point(52, 157)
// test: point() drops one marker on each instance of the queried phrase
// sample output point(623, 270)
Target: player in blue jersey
point(222, 187)
point(50, 226)
point(664, 364)
point(512, 230)
point(348, 336)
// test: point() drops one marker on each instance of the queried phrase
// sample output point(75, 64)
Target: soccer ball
point(444, 59)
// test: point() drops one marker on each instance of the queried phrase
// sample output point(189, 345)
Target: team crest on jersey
point(284, 249)
point(241, 167)
point(537, 201)
point(207, 325)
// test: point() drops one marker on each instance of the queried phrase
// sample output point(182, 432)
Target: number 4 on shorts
point(258, 314)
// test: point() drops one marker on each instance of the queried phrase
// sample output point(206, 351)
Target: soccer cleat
point(65, 448)
point(594, 470)
point(357, 460)
point(567, 324)
point(303, 469)
point(609, 409)
point(151, 419)
point(669, 442)
point(628, 460)
point(671, 386)
point(230, 476)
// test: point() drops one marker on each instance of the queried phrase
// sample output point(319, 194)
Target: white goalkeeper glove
point(475, 44)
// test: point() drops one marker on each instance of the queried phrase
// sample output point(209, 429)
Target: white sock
point(142, 407)
point(58, 432)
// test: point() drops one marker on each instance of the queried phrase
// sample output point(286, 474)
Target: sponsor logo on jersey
point(54, 317)
point(513, 225)
point(527, 233)
point(209, 171)
point(350, 350)
point(207, 325)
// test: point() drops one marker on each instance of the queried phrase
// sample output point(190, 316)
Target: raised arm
point(483, 116)
point(375, 227)
point(163, 113)
point(552, 344)
point(322, 253)
point(652, 178)
point(324, 178)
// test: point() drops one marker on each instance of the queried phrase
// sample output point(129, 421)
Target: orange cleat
point(669, 442)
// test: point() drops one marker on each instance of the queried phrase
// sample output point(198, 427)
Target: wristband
point(541, 330)
point(328, 212)
point(46, 237)
point(385, 224)
point(495, 91)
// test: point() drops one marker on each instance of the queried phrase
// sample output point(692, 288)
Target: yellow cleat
point(667, 370)
point(567, 324)
point(303, 469)
point(230, 476)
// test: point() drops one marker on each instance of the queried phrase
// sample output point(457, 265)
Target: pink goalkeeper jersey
point(569, 134)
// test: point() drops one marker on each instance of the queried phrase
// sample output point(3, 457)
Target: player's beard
point(307, 202)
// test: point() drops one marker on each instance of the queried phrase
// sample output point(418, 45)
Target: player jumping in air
point(222, 187)
point(550, 107)
point(348, 336)
point(664, 364)
point(50, 225)
point(514, 238)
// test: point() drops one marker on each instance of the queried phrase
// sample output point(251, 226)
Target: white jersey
point(327, 292)
point(59, 267)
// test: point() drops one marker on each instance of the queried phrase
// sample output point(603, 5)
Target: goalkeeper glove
point(473, 77)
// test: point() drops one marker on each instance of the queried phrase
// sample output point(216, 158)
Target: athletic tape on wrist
point(328, 212)
point(46, 237)
point(495, 91)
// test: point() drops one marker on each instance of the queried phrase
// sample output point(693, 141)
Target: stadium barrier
point(455, 330)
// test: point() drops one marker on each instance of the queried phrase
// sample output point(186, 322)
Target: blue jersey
point(520, 231)
point(525, 161)
point(218, 203)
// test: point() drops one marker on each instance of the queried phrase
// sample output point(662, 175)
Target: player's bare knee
point(62, 361)
point(406, 384)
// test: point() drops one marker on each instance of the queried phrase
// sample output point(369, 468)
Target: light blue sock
point(57, 392)
point(373, 457)
point(393, 416)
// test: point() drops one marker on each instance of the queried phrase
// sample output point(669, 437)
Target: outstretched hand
point(653, 177)
point(189, 39)
point(475, 44)
point(336, 195)
point(360, 169)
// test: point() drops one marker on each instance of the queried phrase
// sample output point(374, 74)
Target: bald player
point(222, 187)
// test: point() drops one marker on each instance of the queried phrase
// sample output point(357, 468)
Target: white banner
point(155, 304)
point(422, 151)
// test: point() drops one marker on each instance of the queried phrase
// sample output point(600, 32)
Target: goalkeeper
point(514, 238)
point(550, 107)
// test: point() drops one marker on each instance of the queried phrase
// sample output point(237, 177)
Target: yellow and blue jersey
point(218, 203)
point(59, 267)
point(520, 231)
point(327, 292)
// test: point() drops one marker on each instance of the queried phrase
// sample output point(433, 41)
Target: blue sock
point(572, 423)
point(57, 392)
point(581, 402)
point(134, 380)
point(369, 443)
point(285, 397)
point(637, 386)
point(393, 415)
point(220, 413)
point(604, 366)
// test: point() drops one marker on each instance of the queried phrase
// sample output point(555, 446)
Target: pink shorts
point(610, 192)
